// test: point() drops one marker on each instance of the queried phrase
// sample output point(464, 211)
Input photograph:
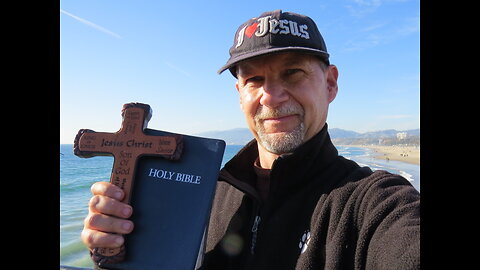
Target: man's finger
point(93, 239)
point(107, 189)
point(109, 206)
point(108, 224)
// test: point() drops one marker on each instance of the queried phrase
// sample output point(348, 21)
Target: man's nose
point(273, 93)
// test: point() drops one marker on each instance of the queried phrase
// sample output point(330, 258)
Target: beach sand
point(409, 154)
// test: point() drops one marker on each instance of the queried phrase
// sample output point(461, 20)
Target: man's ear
point(332, 86)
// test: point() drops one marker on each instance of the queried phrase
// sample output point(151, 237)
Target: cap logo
point(266, 25)
point(251, 29)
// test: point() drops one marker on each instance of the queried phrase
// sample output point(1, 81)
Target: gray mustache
point(288, 109)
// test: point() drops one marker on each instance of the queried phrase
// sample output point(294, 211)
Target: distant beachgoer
point(287, 200)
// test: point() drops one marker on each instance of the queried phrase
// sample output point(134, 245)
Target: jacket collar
point(289, 170)
point(294, 169)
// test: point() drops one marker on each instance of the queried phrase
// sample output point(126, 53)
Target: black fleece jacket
point(322, 212)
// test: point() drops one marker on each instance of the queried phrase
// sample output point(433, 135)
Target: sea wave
point(406, 175)
point(365, 157)
point(75, 253)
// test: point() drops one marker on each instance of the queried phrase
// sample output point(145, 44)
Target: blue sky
point(167, 53)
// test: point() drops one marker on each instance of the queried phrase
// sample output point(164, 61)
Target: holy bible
point(169, 179)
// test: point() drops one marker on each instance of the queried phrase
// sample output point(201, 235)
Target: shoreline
point(408, 154)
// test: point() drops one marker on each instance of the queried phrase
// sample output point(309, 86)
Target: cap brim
point(235, 60)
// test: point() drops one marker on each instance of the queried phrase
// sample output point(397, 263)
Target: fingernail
point(118, 195)
point(119, 240)
point(126, 226)
point(126, 211)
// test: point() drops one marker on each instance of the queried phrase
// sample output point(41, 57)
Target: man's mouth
point(279, 124)
point(279, 119)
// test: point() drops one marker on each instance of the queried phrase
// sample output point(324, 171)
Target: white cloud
point(177, 69)
point(361, 8)
point(369, 3)
point(410, 26)
point(396, 116)
point(95, 26)
point(373, 27)
point(381, 34)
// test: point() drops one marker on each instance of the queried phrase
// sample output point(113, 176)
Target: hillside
point(241, 136)
point(382, 137)
point(237, 136)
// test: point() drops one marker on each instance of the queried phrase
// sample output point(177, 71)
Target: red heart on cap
point(251, 29)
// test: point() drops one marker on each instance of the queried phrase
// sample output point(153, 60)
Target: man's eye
point(254, 79)
point(292, 71)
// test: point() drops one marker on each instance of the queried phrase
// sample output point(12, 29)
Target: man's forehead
point(284, 58)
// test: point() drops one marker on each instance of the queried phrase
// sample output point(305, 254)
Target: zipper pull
point(255, 224)
point(254, 233)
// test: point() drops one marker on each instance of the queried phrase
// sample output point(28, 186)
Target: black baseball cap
point(275, 31)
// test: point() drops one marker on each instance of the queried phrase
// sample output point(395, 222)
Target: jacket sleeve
point(389, 224)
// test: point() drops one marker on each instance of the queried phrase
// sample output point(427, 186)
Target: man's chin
point(281, 142)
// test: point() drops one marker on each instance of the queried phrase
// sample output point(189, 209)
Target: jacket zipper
point(254, 233)
point(258, 205)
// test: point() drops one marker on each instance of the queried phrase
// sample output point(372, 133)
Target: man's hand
point(106, 216)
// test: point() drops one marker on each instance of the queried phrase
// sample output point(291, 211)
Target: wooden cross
point(126, 146)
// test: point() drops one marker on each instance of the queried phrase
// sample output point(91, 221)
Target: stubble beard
point(284, 142)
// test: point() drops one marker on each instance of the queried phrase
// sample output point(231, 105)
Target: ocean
point(78, 174)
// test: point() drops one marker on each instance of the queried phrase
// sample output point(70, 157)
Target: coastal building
point(401, 135)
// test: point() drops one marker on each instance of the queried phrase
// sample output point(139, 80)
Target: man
point(287, 200)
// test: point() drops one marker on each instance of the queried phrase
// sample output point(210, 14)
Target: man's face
point(285, 98)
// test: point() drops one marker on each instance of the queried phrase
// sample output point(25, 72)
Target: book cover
point(171, 203)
